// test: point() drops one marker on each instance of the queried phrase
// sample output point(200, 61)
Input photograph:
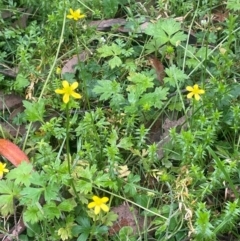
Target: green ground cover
point(128, 112)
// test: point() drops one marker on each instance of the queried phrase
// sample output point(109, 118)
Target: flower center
point(69, 90)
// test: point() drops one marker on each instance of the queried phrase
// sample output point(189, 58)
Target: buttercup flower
point(68, 90)
point(2, 169)
point(76, 15)
point(194, 91)
point(98, 204)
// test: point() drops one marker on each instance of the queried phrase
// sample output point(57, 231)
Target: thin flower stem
point(48, 77)
point(68, 152)
point(86, 6)
point(67, 139)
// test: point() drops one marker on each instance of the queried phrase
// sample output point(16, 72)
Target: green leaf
point(106, 89)
point(83, 237)
point(126, 233)
point(31, 194)
point(51, 192)
point(155, 30)
point(67, 205)
point(233, 5)
point(143, 200)
point(101, 179)
point(125, 143)
point(109, 218)
point(20, 83)
point(154, 99)
point(8, 187)
point(51, 211)
point(110, 8)
point(6, 204)
point(107, 51)
point(33, 214)
point(175, 75)
point(166, 30)
point(85, 185)
point(130, 186)
point(115, 62)
point(21, 174)
point(34, 110)
point(140, 81)
point(9, 191)
point(39, 180)
point(84, 228)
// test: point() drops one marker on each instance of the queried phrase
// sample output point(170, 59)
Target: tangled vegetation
point(120, 120)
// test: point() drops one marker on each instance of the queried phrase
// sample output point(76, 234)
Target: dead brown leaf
point(127, 216)
point(71, 63)
point(159, 68)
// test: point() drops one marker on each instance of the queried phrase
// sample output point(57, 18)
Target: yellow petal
point(105, 199)
point(71, 11)
point(195, 87)
point(66, 98)
point(201, 91)
point(82, 16)
point(197, 97)
point(95, 199)
point(190, 95)
point(74, 85)
point(65, 84)
point(104, 207)
point(189, 88)
point(97, 210)
point(59, 91)
point(76, 95)
point(91, 205)
point(69, 16)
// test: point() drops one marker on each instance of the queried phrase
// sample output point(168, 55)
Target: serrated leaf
point(51, 192)
point(107, 51)
point(8, 191)
point(155, 30)
point(20, 83)
point(101, 179)
point(125, 143)
point(140, 80)
point(156, 98)
point(21, 174)
point(175, 75)
point(109, 218)
point(34, 110)
point(166, 30)
point(233, 5)
point(33, 214)
point(110, 8)
point(67, 205)
point(106, 89)
point(6, 204)
point(51, 211)
point(31, 194)
point(115, 62)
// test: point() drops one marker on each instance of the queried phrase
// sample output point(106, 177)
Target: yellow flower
point(194, 91)
point(68, 90)
point(98, 204)
point(2, 169)
point(75, 14)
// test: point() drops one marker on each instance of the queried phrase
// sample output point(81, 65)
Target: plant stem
point(68, 152)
